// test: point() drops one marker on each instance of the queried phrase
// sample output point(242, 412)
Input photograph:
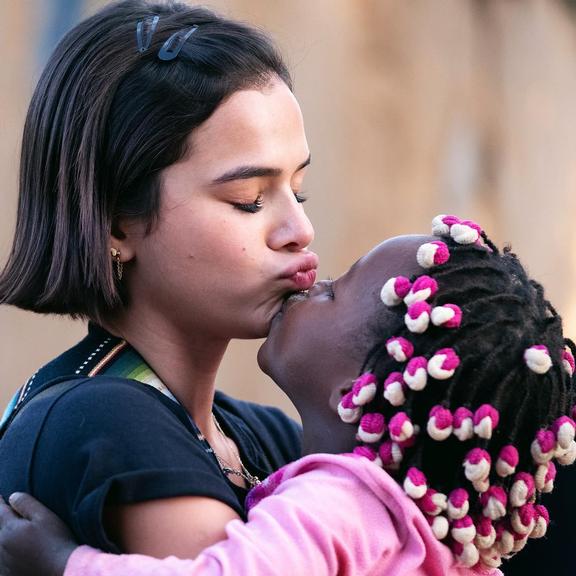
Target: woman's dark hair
point(104, 121)
point(504, 312)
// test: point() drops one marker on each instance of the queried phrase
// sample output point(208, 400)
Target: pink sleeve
point(311, 524)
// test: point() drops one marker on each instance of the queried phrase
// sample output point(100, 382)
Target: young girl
point(160, 197)
point(461, 411)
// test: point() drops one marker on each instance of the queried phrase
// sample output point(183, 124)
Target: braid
point(504, 314)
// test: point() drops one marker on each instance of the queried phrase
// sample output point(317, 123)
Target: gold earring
point(119, 265)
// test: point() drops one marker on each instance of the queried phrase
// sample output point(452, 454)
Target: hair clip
point(545, 476)
point(568, 361)
point(465, 232)
point(522, 489)
point(486, 419)
point(439, 425)
point(477, 464)
point(543, 446)
point(463, 424)
point(442, 223)
point(400, 427)
point(347, 409)
point(433, 502)
point(416, 373)
point(395, 290)
point(399, 348)
point(508, 459)
point(368, 453)
point(463, 530)
point(494, 502)
point(458, 503)
point(446, 316)
point(415, 483)
point(424, 287)
point(485, 533)
point(439, 525)
point(432, 254)
point(417, 318)
point(394, 387)
point(523, 519)
point(541, 522)
point(538, 359)
point(171, 48)
point(364, 389)
point(568, 457)
point(443, 364)
point(144, 31)
point(467, 555)
point(391, 455)
point(372, 427)
point(565, 429)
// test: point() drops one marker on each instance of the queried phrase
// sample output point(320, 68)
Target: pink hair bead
point(508, 459)
point(466, 555)
point(391, 455)
point(400, 427)
point(395, 290)
point(417, 317)
point(523, 519)
point(565, 429)
point(504, 538)
point(465, 232)
point(372, 428)
point(538, 359)
point(494, 502)
point(486, 419)
point(543, 446)
point(440, 526)
point(443, 364)
point(567, 457)
point(423, 288)
point(477, 464)
point(463, 424)
point(415, 483)
point(568, 361)
point(399, 348)
point(519, 542)
point(541, 521)
point(433, 502)
point(432, 254)
point(491, 558)
point(416, 373)
point(485, 533)
point(441, 224)
point(446, 316)
point(458, 503)
point(368, 453)
point(522, 489)
point(394, 389)
point(545, 476)
point(364, 389)
point(481, 485)
point(439, 425)
point(347, 410)
point(463, 530)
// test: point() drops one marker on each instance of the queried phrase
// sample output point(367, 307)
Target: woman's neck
point(185, 362)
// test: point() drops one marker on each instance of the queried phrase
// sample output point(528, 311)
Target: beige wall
point(412, 108)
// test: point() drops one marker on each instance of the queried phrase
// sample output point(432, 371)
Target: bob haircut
point(104, 121)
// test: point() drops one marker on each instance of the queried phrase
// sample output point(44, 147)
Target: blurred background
point(412, 108)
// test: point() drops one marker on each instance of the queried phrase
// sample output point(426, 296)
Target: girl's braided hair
point(503, 313)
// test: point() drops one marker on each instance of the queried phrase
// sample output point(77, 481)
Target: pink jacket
point(322, 515)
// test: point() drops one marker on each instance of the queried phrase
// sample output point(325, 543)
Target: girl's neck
point(185, 362)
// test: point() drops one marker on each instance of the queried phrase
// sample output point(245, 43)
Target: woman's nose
point(292, 229)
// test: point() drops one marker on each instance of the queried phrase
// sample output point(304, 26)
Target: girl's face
point(319, 341)
point(232, 236)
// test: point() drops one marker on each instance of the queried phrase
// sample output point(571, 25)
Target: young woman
point(160, 197)
point(465, 387)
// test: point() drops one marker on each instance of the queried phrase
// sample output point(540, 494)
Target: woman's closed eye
point(256, 205)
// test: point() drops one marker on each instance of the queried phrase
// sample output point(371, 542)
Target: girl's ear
point(337, 392)
point(123, 238)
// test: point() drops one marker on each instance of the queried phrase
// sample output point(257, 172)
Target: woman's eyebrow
point(247, 172)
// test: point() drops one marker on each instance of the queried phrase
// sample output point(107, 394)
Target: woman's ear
point(337, 392)
point(123, 238)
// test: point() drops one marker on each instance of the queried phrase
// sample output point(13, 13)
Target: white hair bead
point(538, 359)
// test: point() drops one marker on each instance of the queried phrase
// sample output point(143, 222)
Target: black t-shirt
point(80, 443)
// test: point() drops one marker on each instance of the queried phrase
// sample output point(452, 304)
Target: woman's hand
point(33, 540)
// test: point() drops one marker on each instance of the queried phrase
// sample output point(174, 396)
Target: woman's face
point(232, 236)
point(321, 339)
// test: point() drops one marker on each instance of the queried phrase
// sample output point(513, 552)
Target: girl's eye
point(251, 207)
point(330, 288)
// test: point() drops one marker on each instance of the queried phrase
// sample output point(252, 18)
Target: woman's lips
point(302, 274)
point(304, 279)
